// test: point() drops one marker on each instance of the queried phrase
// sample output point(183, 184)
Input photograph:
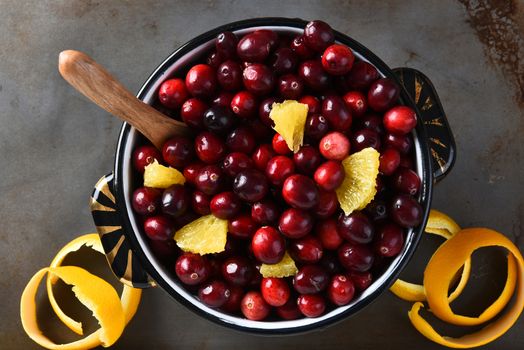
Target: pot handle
point(440, 138)
point(123, 262)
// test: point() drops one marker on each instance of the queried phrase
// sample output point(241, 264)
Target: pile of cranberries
point(237, 168)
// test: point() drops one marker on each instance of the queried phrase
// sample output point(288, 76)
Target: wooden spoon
point(97, 84)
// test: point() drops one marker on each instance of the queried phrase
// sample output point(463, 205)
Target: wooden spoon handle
point(97, 84)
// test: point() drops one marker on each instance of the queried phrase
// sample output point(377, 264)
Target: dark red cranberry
point(244, 104)
point(361, 280)
point(214, 294)
point(192, 269)
point(300, 192)
point(312, 103)
point(166, 251)
point(310, 279)
point(265, 109)
point(279, 145)
point(328, 235)
point(209, 147)
point(330, 263)
point(201, 81)
point(222, 100)
point(175, 200)
point(316, 126)
point(314, 75)
point(406, 181)
point(258, 79)
point(145, 155)
point(271, 36)
point(275, 291)
point(334, 146)
point(307, 159)
point(262, 155)
point(362, 75)
point(200, 203)
point(380, 185)
point(214, 59)
point(229, 76)
point(173, 93)
point(178, 151)
point(295, 223)
point(225, 205)
point(337, 59)
point(185, 218)
point(356, 227)
point(290, 86)
point(356, 102)
point(402, 143)
point(219, 120)
point(389, 161)
point(146, 200)
point(191, 171)
point(337, 113)
point(250, 185)
point(355, 257)
point(268, 245)
point(389, 241)
point(283, 61)
point(383, 94)
point(299, 47)
point(373, 122)
point(237, 271)
point(209, 180)
point(232, 304)
point(406, 162)
point(307, 250)
point(254, 47)
point(319, 35)
point(236, 162)
point(400, 120)
point(365, 138)
point(341, 290)
point(406, 211)
point(289, 311)
point(278, 169)
point(257, 278)
point(377, 210)
point(192, 112)
point(242, 226)
point(261, 131)
point(265, 212)
point(226, 45)
point(254, 307)
point(329, 175)
point(311, 305)
point(241, 140)
point(327, 204)
point(159, 228)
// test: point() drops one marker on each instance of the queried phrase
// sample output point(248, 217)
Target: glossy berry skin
point(402, 143)
point(214, 59)
point(209, 180)
point(307, 159)
point(178, 151)
point(265, 212)
point(200, 203)
point(175, 200)
point(362, 75)
point(209, 148)
point(299, 47)
point(173, 93)
point(280, 145)
point(295, 223)
point(275, 291)
point(264, 109)
point(334, 146)
point(341, 290)
point(192, 112)
point(192, 269)
point(145, 155)
point(314, 76)
point(225, 205)
point(241, 140)
point(219, 120)
point(232, 305)
point(389, 161)
point(389, 240)
point(316, 126)
point(278, 169)
point(355, 227)
point(361, 280)
point(146, 200)
point(222, 100)
point(330, 263)
point(159, 228)
point(300, 192)
point(289, 311)
point(290, 86)
point(355, 257)
point(262, 155)
point(258, 79)
point(334, 109)
point(226, 45)
point(406, 181)
point(327, 204)
point(312, 103)
point(311, 305)
point(229, 76)
point(318, 35)
point(377, 210)
point(406, 211)
point(383, 94)
point(337, 59)
point(268, 245)
point(327, 232)
point(356, 102)
point(201, 81)
point(237, 271)
point(283, 61)
point(373, 122)
point(250, 185)
point(242, 226)
point(365, 138)
point(306, 250)
point(214, 294)
point(254, 307)
point(329, 175)
point(254, 47)
point(236, 162)
point(310, 279)
point(244, 104)
point(400, 120)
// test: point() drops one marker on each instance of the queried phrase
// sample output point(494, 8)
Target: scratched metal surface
point(54, 144)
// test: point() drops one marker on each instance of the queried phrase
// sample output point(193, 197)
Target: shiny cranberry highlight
point(300, 192)
point(268, 245)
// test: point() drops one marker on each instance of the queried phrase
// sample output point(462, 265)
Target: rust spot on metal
point(435, 121)
point(438, 142)
point(418, 89)
point(440, 161)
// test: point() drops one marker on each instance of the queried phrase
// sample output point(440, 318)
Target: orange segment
point(290, 120)
point(284, 268)
point(205, 235)
point(158, 176)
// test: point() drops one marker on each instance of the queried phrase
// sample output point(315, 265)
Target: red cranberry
point(201, 81)
point(334, 146)
point(300, 192)
point(280, 145)
point(209, 147)
point(200, 203)
point(406, 162)
point(268, 245)
point(275, 291)
point(329, 175)
point(177, 151)
point(327, 204)
point(257, 278)
point(241, 140)
point(318, 35)
point(175, 200)
point(270, 35)
point(254, 307)
point(362, 75)
point(356, 102)
point(330, 263)
point(244, 104)
point(389, 161)
point(159, 228)
point(214, 59)
point(336, 112)
point(265, 109)
point(229, 76)
point(402, 143)
point(290, 86)
point(222, 100)
point(236, 162)
point(406, 211)
point(361, 280)
point(166, 251)
point(295, 223)
point(355, 257)
point(209, 180)
point(278, 169)
point(243, 226)
point(250, 185)
point(373, 122)
point(400, 120)
point(146, 200)
point(328, 235)
point(145, 155)
point(316, 126)
point(283, 61)
point(262, 155)
point(192, 269)
point(289, 311)
point(173, 93)
point(406, 181)
point(389, 241)
point(237, 271)
point(258, 79)
point(192, 112)
point(341, 290)
point(365, 138)
point(311, 305)
point(219, 120)
point(306, 250)
point(314, 75)
point(214, 294)
point(337, 59)
point(310, 279)
point(307, 159)
point(226, 44)
point(299, 47)
point(312, 103)
point(265, 212)
point(377, 210)
point(383, 94)
point(254, 47)
point(232, 304)
point(225, 205)
point(355, 227)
